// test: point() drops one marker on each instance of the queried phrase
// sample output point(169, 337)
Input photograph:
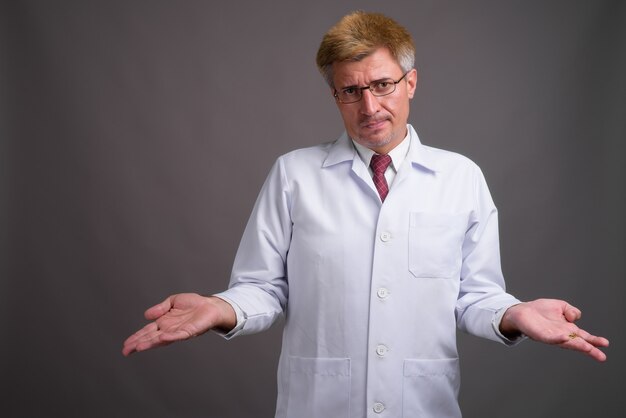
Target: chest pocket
point(435, 244)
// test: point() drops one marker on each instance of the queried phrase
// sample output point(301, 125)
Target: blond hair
point(358, 35)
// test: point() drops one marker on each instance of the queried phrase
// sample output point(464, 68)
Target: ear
point(332, 94)
point(411, 82)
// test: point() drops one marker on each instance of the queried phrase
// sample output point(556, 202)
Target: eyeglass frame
point(369, 87)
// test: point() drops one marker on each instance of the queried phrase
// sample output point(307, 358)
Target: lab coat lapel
point(342, 151)
point(417, 158)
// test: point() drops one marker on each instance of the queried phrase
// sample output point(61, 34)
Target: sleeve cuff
point(241, 319)
point(495, 323)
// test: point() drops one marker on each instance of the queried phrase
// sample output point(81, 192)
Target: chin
point(376, 142)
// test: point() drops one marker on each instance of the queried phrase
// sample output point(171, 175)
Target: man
point(375, 248)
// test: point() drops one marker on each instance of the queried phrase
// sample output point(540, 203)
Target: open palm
point(179, 317)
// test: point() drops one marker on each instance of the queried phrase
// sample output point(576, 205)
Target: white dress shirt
point(397, 154)
point(372, 292)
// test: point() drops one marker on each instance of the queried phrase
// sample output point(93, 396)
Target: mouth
point(373, 124)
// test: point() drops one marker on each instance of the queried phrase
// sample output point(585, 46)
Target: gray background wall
point(135, 137)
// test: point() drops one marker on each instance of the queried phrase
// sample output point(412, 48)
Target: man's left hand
point(551, 321)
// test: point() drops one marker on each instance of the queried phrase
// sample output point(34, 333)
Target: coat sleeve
point(482, 296)
point(258, 288)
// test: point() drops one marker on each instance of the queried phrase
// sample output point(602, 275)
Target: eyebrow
point(352, 86)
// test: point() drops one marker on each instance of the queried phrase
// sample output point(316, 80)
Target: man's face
point(378, 123)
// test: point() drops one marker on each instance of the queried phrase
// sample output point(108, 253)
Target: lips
point(373, 124)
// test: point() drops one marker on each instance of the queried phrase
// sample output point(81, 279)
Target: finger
point(160, 309)
point(151, 341)
point(152, 336)
point(132, 341)
point(127, 350)
point(597, 354)
point(151, 327)
point(598, 341)
point(177, 335)
point(571, 313)
point(586, 343)
point(594, 340)
point(579, 344)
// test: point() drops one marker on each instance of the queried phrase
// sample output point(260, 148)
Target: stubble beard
point(376, 143)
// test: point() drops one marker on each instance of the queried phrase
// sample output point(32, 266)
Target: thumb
point(572, 313)
point(160, 309)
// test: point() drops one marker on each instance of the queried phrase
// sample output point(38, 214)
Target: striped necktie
point(379, 164)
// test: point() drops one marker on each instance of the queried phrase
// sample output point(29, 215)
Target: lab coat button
point(382, 293)
point(385, 236)
point(379, 407)
point(381, 350)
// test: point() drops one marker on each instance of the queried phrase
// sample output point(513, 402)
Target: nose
point(369, 103)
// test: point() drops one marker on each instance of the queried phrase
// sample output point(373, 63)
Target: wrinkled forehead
point(376, 66)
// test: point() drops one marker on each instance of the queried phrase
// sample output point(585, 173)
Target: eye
point(349, 91)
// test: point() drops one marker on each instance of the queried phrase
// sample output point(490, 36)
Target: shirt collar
point(397, 154)
point(344, 149)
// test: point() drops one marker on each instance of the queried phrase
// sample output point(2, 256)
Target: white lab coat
point(372, 292)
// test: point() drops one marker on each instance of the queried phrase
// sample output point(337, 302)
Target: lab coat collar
point(343, 150)
point(421, 155)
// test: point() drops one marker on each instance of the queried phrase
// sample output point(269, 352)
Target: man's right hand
point(180, 317)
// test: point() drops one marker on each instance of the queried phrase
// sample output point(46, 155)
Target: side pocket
point(431, 388)
point(435, 244)
point(319, 387)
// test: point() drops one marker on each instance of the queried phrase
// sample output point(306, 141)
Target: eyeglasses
point(378, 88)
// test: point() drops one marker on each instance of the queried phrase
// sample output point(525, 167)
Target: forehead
point(379, 64)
